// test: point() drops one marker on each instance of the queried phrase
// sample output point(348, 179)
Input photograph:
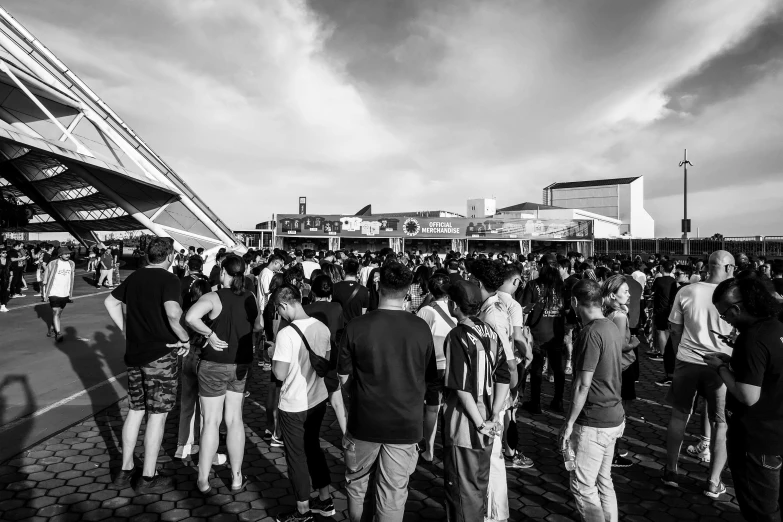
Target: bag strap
point(353, 294)
point(449, 320)
point(304, 339)
point(535, 306)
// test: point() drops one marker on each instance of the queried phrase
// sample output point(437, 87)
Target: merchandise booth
point(439, 234)
point(255, 238)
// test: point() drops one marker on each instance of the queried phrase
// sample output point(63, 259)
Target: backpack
point(321, 365)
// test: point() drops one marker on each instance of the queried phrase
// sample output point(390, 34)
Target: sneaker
point(3, 309)
point(50, 333)
point(123, 478)
point(715, 490)
point(296, 516)
point(666, 381)
point(247, 394)
point(700, 451)
point(157, 484)
point(656, 358)
point(518, 461)
point(670, 478)
point(621, 462)
point(58, 337)
point(185, 451)
point(322, 507)
point(568, 369)
point(623, 452)
point(534, 409)
point(17, 295)
point(276, 443)
point(267, 435)
point(551, 377)
point(37, 295)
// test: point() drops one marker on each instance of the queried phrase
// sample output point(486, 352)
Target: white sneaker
point(700, 451)
point(3, 309)
point(185, 451)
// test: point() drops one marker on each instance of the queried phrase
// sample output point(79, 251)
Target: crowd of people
point(402, 346)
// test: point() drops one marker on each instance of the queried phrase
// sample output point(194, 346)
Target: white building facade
point(620, 199)
point(481, 208)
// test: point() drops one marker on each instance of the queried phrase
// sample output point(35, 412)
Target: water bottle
point(569, 458)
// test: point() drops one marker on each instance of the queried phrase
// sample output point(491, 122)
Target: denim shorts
point(214, 379)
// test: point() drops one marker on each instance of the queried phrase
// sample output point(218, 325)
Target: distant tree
point(717, 237)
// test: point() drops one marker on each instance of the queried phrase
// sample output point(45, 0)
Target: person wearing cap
point(476, 385)
point(58, 288)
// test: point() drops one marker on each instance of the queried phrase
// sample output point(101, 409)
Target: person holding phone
point(752, 375)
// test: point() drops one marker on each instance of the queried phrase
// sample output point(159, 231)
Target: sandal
point(241, 488)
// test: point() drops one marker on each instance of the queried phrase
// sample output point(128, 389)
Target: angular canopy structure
point(70, 159)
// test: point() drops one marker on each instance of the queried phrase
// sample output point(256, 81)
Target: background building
point(619, 198)
point(481, 207)
point(603, 227)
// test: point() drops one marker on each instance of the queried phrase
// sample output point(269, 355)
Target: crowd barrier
point(770, 246)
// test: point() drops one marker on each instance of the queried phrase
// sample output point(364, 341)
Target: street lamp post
point(686, 223)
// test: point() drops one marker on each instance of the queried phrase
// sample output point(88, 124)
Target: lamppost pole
point(686, 223)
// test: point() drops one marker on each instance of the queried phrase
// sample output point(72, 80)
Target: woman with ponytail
point(224, 367)
point(616, 295)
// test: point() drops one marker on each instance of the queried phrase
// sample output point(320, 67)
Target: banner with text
point(437, 227)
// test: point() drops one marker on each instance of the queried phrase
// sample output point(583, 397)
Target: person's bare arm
point(524, 349)
point(205, 305)
point(581, 387)
point(676, 335)
point(174, 314)
point(114, 307)
point(280, 369)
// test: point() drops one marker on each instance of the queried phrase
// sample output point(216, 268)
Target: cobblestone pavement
point(68, 477)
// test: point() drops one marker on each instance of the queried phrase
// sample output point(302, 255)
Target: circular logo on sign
point(411, 227)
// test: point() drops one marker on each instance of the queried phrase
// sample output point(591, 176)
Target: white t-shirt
point(694, 310)
point(308, 267)
point(264, 278)
point(364, 274)
point(495, 313)
point(62, 280)
point(640, 277)
point(439, 328)
point(302, 389)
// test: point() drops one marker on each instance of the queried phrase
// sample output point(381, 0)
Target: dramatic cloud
point(415, 105)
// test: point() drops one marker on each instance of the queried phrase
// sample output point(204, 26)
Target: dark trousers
point(555, 356)
point(5, 295)
point(669, 357)
point(16, 280)
point(756, 483)
point(466, 476)
point(303, 454)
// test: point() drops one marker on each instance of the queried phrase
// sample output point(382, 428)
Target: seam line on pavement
point(57, 404)
point(43, 302)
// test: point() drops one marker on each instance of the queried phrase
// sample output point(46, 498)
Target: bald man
point(698, 330)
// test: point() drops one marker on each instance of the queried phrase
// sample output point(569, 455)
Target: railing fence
point(770, 246)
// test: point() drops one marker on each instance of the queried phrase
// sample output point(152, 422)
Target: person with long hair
point(334, 272)
point(272, 323)
point(616, 295)
point(418, 291)
point(190, 411)
point(224, 367)
point(543, 301)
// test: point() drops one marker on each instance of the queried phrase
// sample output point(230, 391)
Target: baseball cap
point(465, 295)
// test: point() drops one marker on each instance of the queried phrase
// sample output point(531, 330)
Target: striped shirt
point(475, 362)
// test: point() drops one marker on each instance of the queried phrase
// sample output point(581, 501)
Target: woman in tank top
point(224, 367)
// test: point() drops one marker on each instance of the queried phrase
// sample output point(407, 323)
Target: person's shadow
point(92, 366)
point(13, 441)
point(44, 313)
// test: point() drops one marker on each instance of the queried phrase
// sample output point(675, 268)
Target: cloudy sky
point(413, 105)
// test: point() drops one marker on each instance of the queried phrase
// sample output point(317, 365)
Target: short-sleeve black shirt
point(343, 290)
point(147, 329)
point(757, 360)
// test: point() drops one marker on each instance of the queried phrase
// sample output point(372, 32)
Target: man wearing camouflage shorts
point(154, 339)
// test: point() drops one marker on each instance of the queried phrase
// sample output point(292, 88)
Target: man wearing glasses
point(752, 376)
point(697, 330)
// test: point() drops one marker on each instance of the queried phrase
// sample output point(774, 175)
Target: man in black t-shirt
point(194, 267)
point(354, 302)
point(386, 357)
point(154, 339)
point(752, 374)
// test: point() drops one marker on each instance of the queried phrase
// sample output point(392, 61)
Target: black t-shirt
point(635, 301)
point(147, 330)
point(664, 289)
point(185, 284)
point(454, 277)
point(757, 360)
point(331, 314)
point(390, 357)
point(214, 276)
point(547, 318)
point(343, 290)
